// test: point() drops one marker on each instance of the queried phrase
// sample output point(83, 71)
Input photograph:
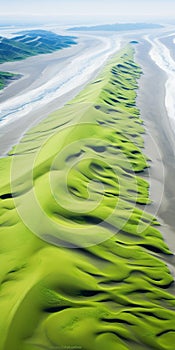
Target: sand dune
point(75, 181)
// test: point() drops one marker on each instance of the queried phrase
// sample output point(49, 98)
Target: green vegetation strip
point(6, 78)
point(74, 180)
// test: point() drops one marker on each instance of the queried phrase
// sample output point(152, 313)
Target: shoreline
point(159, 143)
point(36, 70)
point(152, 89)
point(11, 133)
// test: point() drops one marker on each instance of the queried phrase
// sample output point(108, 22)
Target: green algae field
point(82, 262)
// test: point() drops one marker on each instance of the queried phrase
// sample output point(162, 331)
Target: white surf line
point(72, 76)
point(160, 54)
point(167, 36)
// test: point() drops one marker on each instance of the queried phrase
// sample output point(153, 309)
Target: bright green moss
point(83, 164)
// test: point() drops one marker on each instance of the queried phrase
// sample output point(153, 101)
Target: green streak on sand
point(106, 296)
point(6, 78)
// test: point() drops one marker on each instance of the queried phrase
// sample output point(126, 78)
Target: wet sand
point(168, 41)
point(10, 134)
point(37, 71)
point(159, 146)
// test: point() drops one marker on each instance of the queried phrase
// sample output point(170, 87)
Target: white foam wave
point(160, 54)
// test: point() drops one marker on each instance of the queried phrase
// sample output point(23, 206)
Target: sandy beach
point(151, 97)
point(38, 71)
point(159, 147)
point(169, 42)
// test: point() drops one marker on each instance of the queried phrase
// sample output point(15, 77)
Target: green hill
point(32, 43)
point(29, 43)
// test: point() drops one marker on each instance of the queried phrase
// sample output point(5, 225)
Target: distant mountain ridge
point(32, 43)
point(117, 27)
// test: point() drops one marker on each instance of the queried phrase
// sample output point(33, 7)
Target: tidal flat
point(81, 263)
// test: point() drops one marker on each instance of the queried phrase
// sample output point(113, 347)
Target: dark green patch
point(6, 78)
